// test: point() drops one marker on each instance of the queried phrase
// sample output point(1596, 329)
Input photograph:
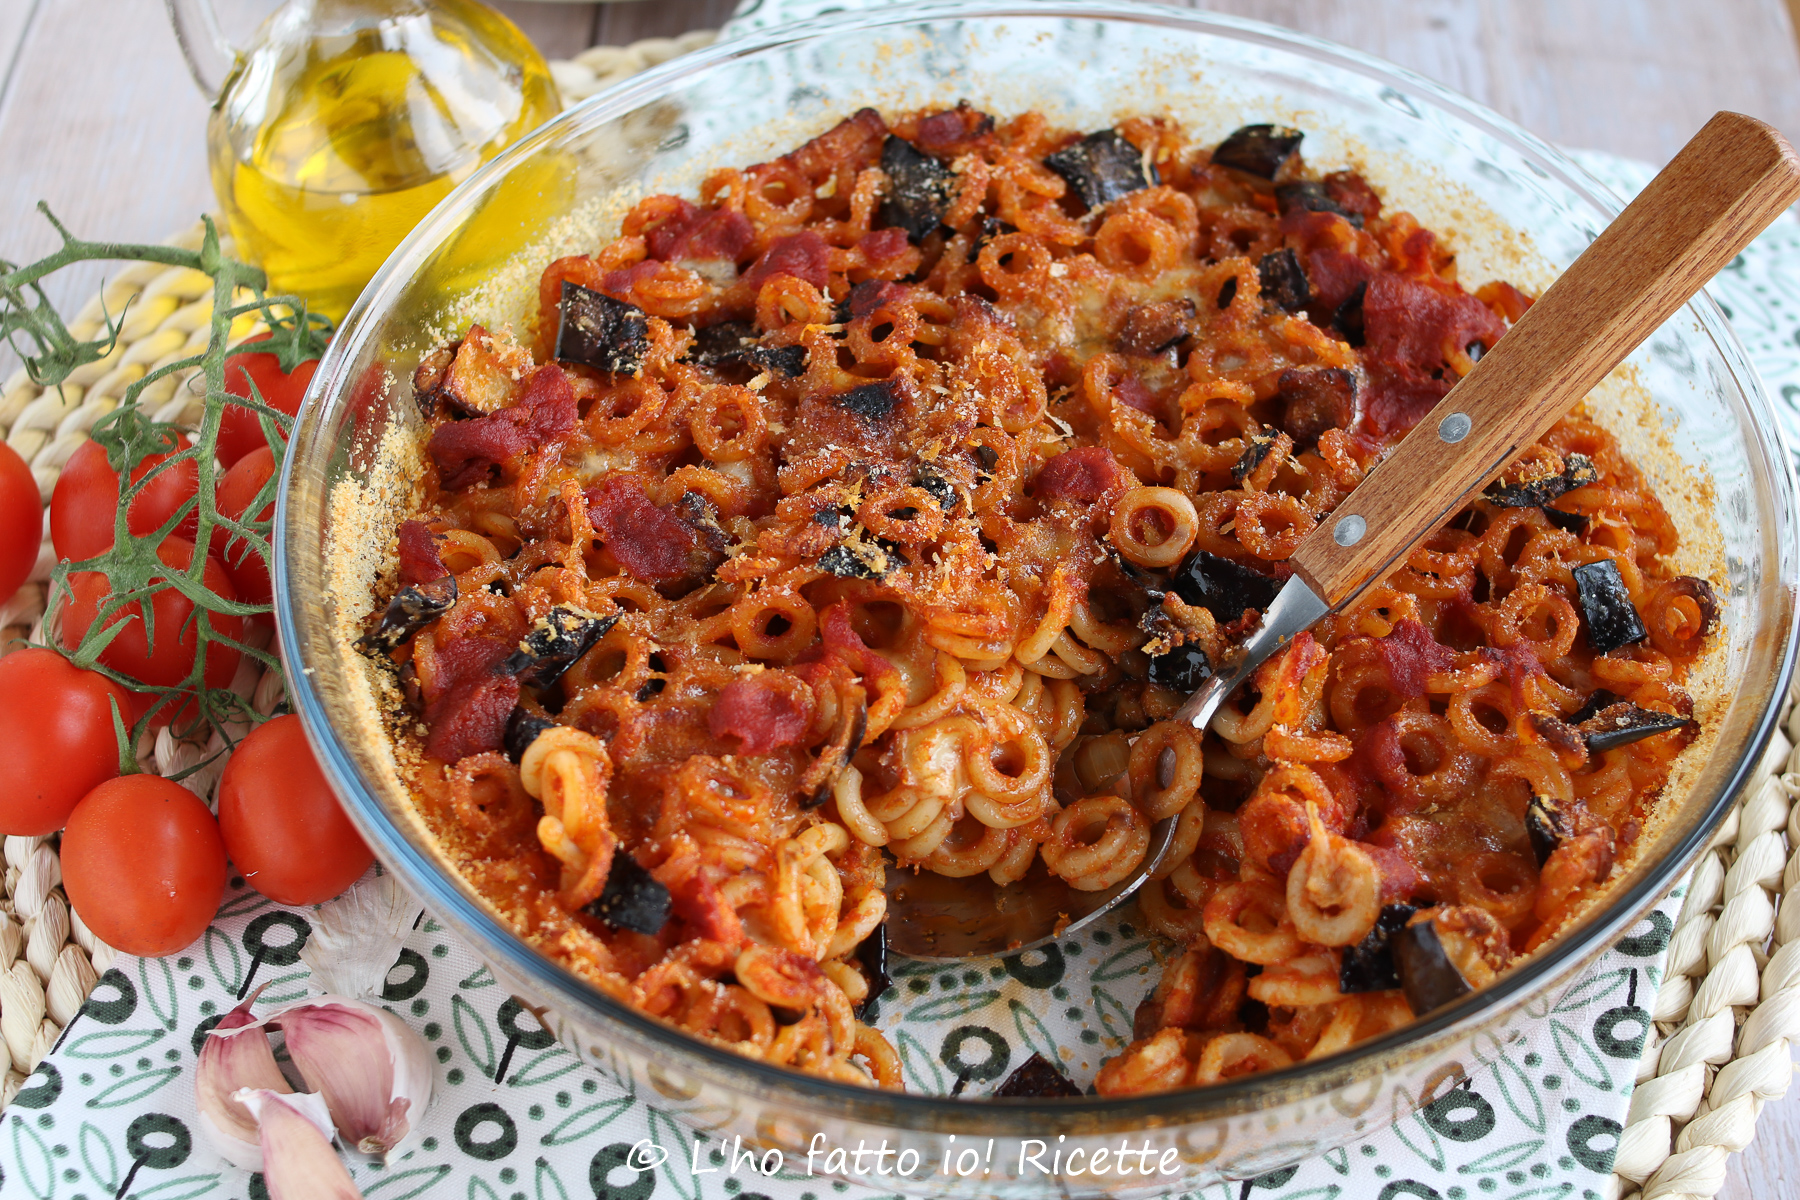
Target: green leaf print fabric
point(110, 1113)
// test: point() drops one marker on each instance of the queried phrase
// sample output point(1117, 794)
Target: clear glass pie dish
point(1688, 405)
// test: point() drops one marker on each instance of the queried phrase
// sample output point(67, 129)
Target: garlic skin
point(236, 1056)
point(373, 1071)
point(356, 937)
point(295, 1146)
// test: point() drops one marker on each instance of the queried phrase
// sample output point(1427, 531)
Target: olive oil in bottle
point(349, 119)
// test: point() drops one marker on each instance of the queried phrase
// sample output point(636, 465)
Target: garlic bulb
point(372, 1069)
point(294, 1140)
point(236, 1056)
point(356, 937)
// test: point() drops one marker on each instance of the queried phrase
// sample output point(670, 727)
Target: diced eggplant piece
point(1612, 619)
point(735, 342)
point(1311, 196)
point(1182, 669)
point(787, 360)
point(872, 957)
point(1103, 166)
point(1578, 471)
point(1034, 1078)
point(861, 560)
point(632, 898)
point(601, 332)
point(560, 636)
point(937, 485)
point(871, 401)
point(1348, 319)
point(1258, 150)
point(724, 342)
point(1252, 457)
point(1283, 280)
point(429, 377)
point(411, 609)
point(1573, 522)
point(1593, 704)
point(1150, 330)
point(1622, 724)
point(1222, 587)
point(1315, 399)
point(481, 378)
point(918, 188)
point(1427, 975)
point(1546, 825)
point(1369, 966)
point(522, 729)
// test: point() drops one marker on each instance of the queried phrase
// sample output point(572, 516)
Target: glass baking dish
point(1688, 404)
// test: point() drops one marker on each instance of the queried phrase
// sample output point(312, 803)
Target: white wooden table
point(98, 117)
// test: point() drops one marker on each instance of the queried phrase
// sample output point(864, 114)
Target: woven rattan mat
point(1726, 1018)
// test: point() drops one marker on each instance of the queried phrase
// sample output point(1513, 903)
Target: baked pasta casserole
point(874, 510)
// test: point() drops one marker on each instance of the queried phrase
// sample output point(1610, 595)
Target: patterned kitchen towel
point(110, 1112)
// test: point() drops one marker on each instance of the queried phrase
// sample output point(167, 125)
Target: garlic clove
point(294, 1130)
point(373, 1070)
point(236, 1056)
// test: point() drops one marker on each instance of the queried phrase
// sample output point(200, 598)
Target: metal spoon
point(1725, 186)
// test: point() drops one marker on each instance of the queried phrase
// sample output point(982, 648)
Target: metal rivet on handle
point(1349, 530)
point(1454, 428)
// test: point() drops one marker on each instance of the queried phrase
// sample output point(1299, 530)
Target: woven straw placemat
point(1726, 1018)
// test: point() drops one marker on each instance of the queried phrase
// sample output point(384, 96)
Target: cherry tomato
point(167, 662)
point(87, 497)
point(144, 865)
point(21, 522)
point(56, 738)
point(240, 430)
point(238, 487)
point(283, 825)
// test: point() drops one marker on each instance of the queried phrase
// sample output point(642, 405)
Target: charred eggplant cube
point(632, 898)
point(1182, 669)
point(1535, 492)
point(1103, 166)
point(1546, 826)
point(560, 636)
point(1612, 619)
point(872, 957)
point(1036, 1077)
point(411, 609)
point(1258, 149)
point(522, 729)
point(1427, 975)
point(1622, 724)
point(1369, 966)
point(1283, 281)
point(599, 331)
point(735, 342)
point(1222, 587)
point(1310, 196)
point(918, 188)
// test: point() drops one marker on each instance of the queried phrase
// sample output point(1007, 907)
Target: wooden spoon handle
point(1724, 187)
